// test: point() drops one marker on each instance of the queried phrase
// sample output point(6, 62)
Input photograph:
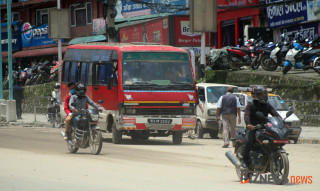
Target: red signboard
point(155, 31)
point(183, 35)
point(237, 2)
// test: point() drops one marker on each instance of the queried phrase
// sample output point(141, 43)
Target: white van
point(209, 94)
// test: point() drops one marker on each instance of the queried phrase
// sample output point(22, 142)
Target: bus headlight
point(212, 112)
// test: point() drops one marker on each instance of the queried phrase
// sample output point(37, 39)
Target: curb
point(309, 141)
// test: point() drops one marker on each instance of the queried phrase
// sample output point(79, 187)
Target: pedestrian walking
point(228, 106)
point(19, 97)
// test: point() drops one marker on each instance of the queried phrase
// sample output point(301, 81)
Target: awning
point(38, 52)
point(87, 39)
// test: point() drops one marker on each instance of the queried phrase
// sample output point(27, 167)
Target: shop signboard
point(155, 31)
point(129, 9)
point(36, 36)
point(286, 14)
point(308, 30)
point(15, 38)
point(183, 34)
point(236, 3)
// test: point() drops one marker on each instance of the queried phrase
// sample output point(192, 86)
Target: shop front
point(232, 23)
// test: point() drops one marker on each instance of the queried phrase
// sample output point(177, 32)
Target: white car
point(208, 95)
point(279, 105)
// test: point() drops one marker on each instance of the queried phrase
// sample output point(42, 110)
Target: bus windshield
point(159, 69)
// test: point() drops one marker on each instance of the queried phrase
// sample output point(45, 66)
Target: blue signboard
point(15, 38)
point(309, 30)
point(35, 36)
point(129, 9)
point(282, 15)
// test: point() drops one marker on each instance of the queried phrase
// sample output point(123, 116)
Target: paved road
point(36, 158)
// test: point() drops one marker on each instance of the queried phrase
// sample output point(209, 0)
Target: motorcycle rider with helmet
point(79, 101)
point(259, 103)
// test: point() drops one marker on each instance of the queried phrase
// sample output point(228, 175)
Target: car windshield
point(276, 102)
point(156, 69)
point(215, 92)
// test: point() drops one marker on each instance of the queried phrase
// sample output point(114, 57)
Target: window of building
point(42, 16)
point(15, 16)
point(81, 14)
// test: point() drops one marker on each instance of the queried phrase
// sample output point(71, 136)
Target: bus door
point(100, 76)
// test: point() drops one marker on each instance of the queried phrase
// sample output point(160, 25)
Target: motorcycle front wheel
point(279, 167)
point(70, 143)
point(286, 69)
point(263, 61)
point(255, 64)
point(95, 142)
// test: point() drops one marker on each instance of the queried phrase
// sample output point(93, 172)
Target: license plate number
point(160, 121)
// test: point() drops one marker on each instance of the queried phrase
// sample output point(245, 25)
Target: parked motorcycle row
point(42, 73)
point(289, 52)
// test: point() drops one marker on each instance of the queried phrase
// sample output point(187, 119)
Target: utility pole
point(59, 49)
point(109, 15)
point(1, 77)
point(9, 49)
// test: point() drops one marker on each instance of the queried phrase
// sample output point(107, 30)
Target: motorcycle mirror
point(288, 114)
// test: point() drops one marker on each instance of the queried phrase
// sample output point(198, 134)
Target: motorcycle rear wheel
point(316, 65)
point(96, 142)
point(71, 147)
point(233, 65)
point(279, 167)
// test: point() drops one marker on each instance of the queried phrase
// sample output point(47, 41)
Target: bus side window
point(83, 72)
point(90, 74)
point(66, 72)
point(74, 72)
point(105, 73)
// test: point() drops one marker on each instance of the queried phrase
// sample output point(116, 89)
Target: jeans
point(76, 121)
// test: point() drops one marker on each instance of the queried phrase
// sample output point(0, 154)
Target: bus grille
point(158, 111)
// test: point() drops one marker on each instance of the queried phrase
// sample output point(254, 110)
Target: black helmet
point(81, 89)
point(57, 86)
point(260, 94)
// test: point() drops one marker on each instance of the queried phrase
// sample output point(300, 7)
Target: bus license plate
point(160, 121)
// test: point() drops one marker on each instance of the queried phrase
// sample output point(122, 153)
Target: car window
point(215, 92)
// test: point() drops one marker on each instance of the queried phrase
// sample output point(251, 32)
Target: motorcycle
point(265, 54)
point(44, 73)
point(54, 72)
point(301, 58)
point(267, 154)
point(87, 134)
point(54, 116)
point(33, 75)
point(238, 57)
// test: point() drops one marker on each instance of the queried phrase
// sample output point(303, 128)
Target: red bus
point(145, 90)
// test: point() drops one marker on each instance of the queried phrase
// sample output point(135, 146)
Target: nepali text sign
point(282, 15)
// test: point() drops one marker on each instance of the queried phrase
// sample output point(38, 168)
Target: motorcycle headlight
point(212, 112)
point(188, 111)
point(94, 117)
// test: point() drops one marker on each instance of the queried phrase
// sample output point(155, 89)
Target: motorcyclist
point(260, 103)
point(79, 101)
point(68, 110)
point(56, 94)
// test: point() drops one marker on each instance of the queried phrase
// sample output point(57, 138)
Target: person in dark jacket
point(79, 101)
point(229, 107)
point(19, 97)
point(260, 103)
